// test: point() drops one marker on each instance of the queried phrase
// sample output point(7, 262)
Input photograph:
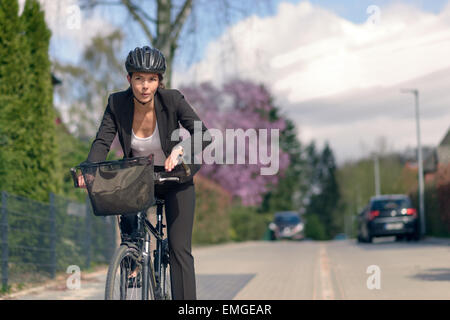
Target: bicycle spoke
point(167, 294)
point(126, 279)
point(122, 279)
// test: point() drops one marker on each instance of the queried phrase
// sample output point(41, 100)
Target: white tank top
point(143, 147)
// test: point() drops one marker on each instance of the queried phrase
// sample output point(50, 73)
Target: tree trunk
point(168, 31)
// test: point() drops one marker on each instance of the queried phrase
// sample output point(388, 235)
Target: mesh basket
point(120, 187)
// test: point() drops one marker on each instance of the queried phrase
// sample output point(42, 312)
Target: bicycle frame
point(157, 231)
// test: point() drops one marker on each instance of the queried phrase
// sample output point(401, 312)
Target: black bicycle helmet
point(145, 59)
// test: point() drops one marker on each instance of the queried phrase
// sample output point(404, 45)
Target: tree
point(31, 155)
point(45, 153)
point(239, 105)
point(324, 195)
point(288, 193)
point(86, 86)
point(167, 24)
point(12, 80)
point(163, 28)
point(330, 189)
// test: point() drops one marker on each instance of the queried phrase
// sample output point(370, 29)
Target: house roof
point(446, 140)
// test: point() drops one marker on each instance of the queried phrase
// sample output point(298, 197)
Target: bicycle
point(132, 273)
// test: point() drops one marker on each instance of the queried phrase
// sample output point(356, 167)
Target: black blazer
point(171, 110)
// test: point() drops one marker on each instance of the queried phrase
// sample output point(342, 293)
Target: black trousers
point(179, 208)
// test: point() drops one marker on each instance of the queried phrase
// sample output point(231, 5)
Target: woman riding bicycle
point(144, 116)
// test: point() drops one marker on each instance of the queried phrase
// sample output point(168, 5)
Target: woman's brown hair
point(160, 77)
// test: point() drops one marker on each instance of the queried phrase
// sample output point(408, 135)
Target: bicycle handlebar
point(157, 176)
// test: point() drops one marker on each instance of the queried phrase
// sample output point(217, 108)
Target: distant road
point(303, 270)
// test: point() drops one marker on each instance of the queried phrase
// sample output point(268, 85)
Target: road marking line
point(315, 278)
point(325, 275)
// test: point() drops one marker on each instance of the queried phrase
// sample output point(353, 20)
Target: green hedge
point(248, 224)
point(314, 228)
point(211, 221)
point(27, 118)
point(434, 224)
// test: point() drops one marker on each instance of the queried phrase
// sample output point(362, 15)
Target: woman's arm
point(192, 123)
point(105, 136)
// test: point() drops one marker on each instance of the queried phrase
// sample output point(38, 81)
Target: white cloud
point(360, 116)
point(72, 29)
point(350, 141)
point(340, 80)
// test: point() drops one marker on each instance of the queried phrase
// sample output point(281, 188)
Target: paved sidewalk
point(278, 269)
point(434, 240)
point(92, 288)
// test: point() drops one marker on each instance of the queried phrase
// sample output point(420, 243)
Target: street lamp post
point(377, 174)
point(420, 161)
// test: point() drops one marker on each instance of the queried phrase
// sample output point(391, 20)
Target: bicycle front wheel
point(124, 280)
point(165, 272)
point(166, 284)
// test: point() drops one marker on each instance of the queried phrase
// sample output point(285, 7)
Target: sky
point(334, 67)
point(339, 76)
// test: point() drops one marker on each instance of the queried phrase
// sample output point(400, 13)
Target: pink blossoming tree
point(239, 105)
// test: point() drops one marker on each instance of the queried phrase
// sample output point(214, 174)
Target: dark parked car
point(286, 225)
point(388, 215)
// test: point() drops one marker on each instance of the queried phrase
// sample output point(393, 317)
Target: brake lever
point(73, 172)
point(186, 167)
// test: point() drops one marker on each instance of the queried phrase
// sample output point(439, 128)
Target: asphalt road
point(305, 270)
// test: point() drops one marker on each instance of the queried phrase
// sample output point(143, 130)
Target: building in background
point(440, 157)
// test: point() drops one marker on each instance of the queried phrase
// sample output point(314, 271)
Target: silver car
point(287, 225)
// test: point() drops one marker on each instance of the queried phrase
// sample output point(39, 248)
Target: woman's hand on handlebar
point(173, 159)
point(81, 183)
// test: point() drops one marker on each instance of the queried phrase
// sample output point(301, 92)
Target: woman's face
point(144, 85)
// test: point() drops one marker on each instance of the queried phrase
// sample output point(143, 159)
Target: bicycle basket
point(120, 187)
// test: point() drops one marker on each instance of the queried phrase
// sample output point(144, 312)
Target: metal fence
point(40, 239)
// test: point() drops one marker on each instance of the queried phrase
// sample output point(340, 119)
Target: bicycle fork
point(158, 252)
point(154, 270)
point(159, 227)
point(145, 269)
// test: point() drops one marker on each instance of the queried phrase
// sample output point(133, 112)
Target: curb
point(437, 240)
point(51, 284)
